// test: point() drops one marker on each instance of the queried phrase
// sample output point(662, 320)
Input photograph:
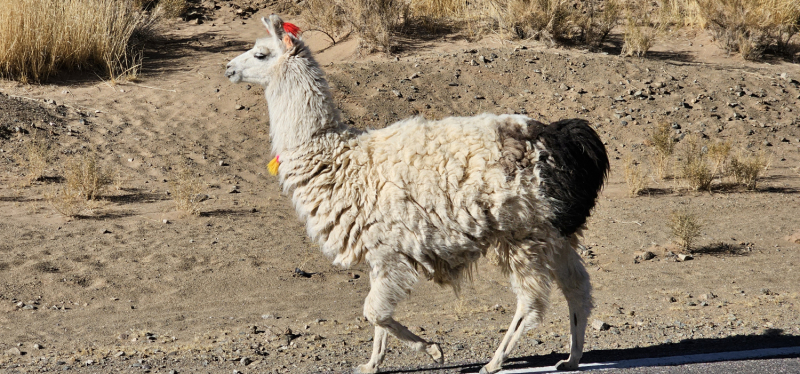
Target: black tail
point(572, 170)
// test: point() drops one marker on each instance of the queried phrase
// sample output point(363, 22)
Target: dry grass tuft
point(718, 154)
point(40, 38)
point(375, 21)
point(685, 229)
point(84, 183)
point(36, 158)
point(694, 168)
point(378, 22)
point(747, 169)
point(664, 146)
point(635, 176)
point(641, 30)
point(752, 26)
point(185, 188)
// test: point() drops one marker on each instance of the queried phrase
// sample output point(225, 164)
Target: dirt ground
point(139, 286)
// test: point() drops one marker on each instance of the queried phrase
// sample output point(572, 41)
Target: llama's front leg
point(390, 282)
point(378, 352)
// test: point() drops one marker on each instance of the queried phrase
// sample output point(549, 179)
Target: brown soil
point(121, 290)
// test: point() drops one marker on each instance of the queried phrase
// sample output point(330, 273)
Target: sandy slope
point(129, 292)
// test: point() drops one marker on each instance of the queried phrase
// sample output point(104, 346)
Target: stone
point(233, 189)
point(684, 257)
point(239, 107)
point(397, 93)
point(14, 352)
point(644, 255)
point(473, 63)
point(245, 361)
point(600, 325)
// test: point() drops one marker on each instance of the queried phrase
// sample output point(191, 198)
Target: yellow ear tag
point(272, 167)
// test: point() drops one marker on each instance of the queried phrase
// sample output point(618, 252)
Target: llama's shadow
point(772, 338)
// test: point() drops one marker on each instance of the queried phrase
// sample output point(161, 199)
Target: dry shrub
point(84, 183)
point(39, 38)
point(173, 8)
point(752, 26)
point(718, 154)
point(36, 157)
point(587, 22)
point(685, 228)
point(746, 169)
point(185, 189)
point(681, 13)
point(375, 21)
point(635, 176)
point(642, 27)
point(664, 146)
point(693, 167)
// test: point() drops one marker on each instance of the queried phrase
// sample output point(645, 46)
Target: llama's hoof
point(365, 369)
point(435, 352)
point(566, 365)
point(484, 370)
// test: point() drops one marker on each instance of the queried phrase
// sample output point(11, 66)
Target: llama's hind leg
point(572, 278)
point(390, 283)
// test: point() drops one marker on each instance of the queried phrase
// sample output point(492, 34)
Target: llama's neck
point(300, 103)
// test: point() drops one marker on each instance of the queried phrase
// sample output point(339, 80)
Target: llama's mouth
point(233, 76)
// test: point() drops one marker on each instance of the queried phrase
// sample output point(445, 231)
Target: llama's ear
point(274, 26)
point(287, 41)
point(266, 24)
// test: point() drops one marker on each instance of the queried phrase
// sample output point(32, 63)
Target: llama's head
point(255, 65)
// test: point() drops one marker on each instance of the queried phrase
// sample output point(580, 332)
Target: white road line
point(669, 361)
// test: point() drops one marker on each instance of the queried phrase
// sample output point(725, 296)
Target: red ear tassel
point(291, 29)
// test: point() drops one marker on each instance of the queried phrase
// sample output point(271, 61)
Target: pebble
point(222, 163)
point(233, 189)
point(684, 257)
point(239, 107)
point(473, 63)
point(600, 325)
point(165, 221)
point(245, 361)
point(397, 93)
point(14, 352)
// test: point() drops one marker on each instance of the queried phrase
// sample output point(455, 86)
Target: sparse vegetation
point(685, 229)
point(746, 169)
point(84, 183)
point(718, 153)
point(752, 26)
point(694, 168)
point(185, 188)
point(36, 158)
point(40, 38)
point(664, 146)
point(635, 176)
point(641, 30)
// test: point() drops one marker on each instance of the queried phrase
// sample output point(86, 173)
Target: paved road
point(752, 361)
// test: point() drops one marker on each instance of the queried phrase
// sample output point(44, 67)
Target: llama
point(431, 197)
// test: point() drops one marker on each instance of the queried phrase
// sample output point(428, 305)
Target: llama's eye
point(260, 56)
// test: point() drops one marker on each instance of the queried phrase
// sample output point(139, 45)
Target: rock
point(233, 189)
point(397, 93)
point(105, 231)
point(222, 163)
point(684, 257)
point(563, 87)
point(14, 352)
point(37, 346)
point(644, 255)
point(245, 361)
point(600, 325)
point(479, 97)
point(165, 221)
point(239, 107)
point(473, 63)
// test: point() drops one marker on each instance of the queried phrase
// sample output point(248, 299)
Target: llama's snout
point(231, 74)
